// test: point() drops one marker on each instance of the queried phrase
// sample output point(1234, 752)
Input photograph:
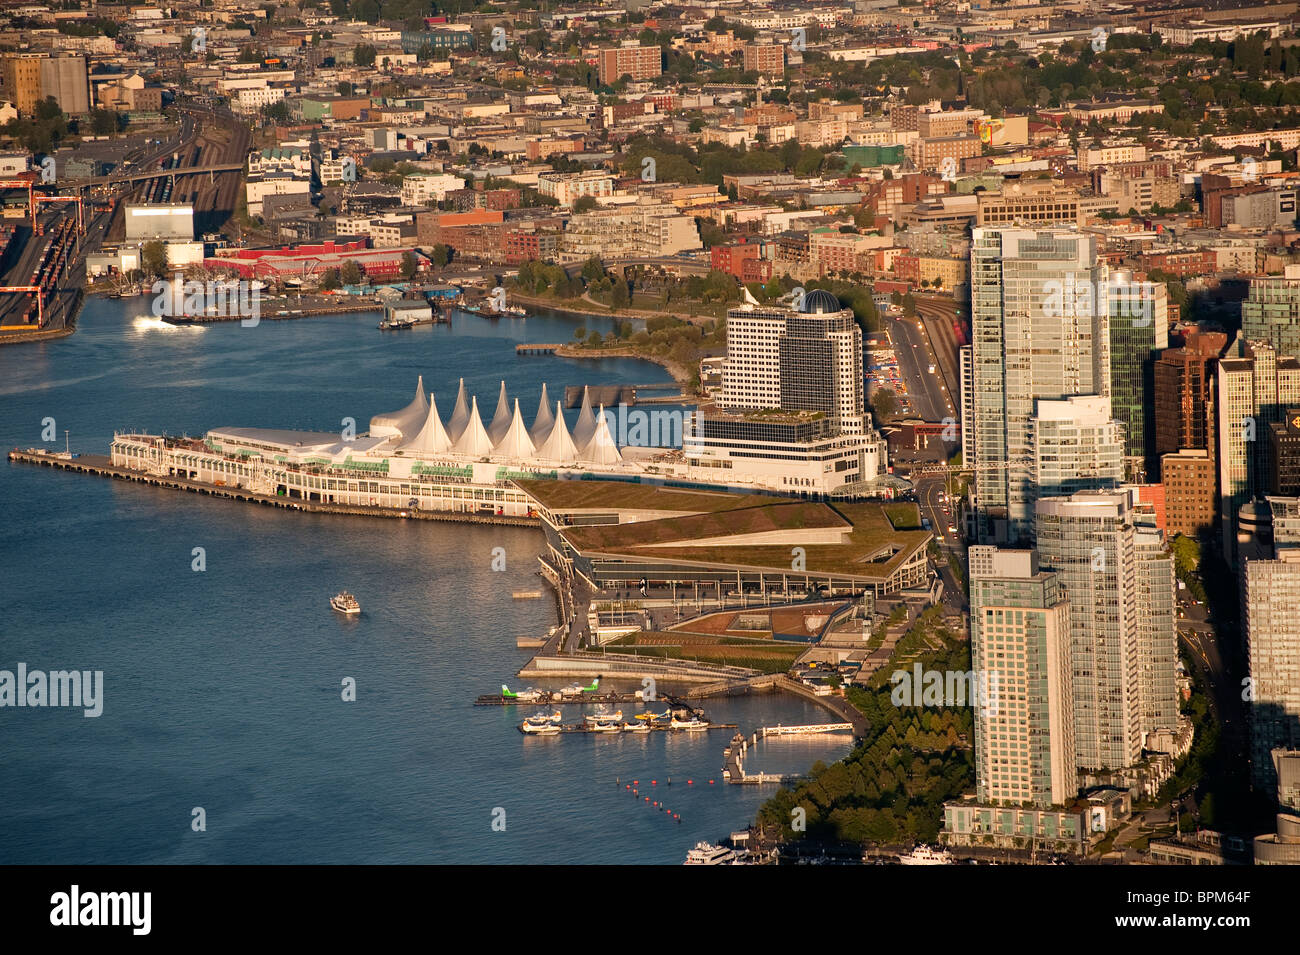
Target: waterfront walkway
point(101, 466)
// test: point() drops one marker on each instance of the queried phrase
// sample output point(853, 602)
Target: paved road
point(929, 401)
point(937, 314)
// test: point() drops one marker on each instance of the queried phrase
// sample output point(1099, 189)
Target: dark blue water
point(222, 688)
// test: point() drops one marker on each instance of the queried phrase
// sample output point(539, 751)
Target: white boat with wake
point(345, 603)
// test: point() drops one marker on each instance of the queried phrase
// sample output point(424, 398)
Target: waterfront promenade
point(101, 466)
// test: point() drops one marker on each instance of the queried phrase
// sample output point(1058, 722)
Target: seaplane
point(523, 696)
point(577, 689)
point(654, 717)
point(602, 717)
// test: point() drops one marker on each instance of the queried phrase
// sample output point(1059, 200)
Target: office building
point(796, 360)
point(1271, 311)
point(1283, 846)
point(792, 391)
point(1284, 455)
point(1119, 579)
point(1037, 334)
point(1020, 647)
point(1185, 396)
point(1189, 480)
point(1271, 596)
point(1255, 386)
point(1139, 332)
point(967, 374)
point(1077, 446)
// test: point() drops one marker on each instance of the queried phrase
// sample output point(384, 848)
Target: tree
point(619, 296)
point(363, 54)
point(440, 255)
point(350, 273)
point(884, 402)
point(330, 280)
point(584, 204)
point(409, 265)
point(153, 258)
point(593, 270)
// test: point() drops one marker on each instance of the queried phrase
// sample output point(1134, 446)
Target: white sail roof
point(602, 448)
point(543, 420)
point(515, 443)
point(404, 422)
point(432, 438)
point(558, 446)
point(474, 440)
point(501, 420)
point(585, 428)
point(459, 415)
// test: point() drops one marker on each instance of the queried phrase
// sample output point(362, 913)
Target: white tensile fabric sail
point(542, 422)
point(501, 420)
point(558, 445)
point(432, 438)
point(459, 415)
point(585, 428)
point(405, 422)
point(515, 443)
point(474, 441)
point(602, 448)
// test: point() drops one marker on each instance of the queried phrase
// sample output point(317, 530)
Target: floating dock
point(538, 348)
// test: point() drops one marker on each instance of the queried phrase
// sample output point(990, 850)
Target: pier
point(100, 466)
point(734, 767)
point(538, 348)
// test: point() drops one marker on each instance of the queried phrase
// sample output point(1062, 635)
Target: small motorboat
point(345, 603)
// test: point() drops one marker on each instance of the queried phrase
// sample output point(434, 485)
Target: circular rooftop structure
point(820, 302)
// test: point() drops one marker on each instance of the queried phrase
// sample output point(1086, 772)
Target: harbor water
point(223, 687)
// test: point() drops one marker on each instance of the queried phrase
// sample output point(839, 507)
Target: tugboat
point(345, 603)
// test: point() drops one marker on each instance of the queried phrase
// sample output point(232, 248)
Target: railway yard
point(42, 256)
